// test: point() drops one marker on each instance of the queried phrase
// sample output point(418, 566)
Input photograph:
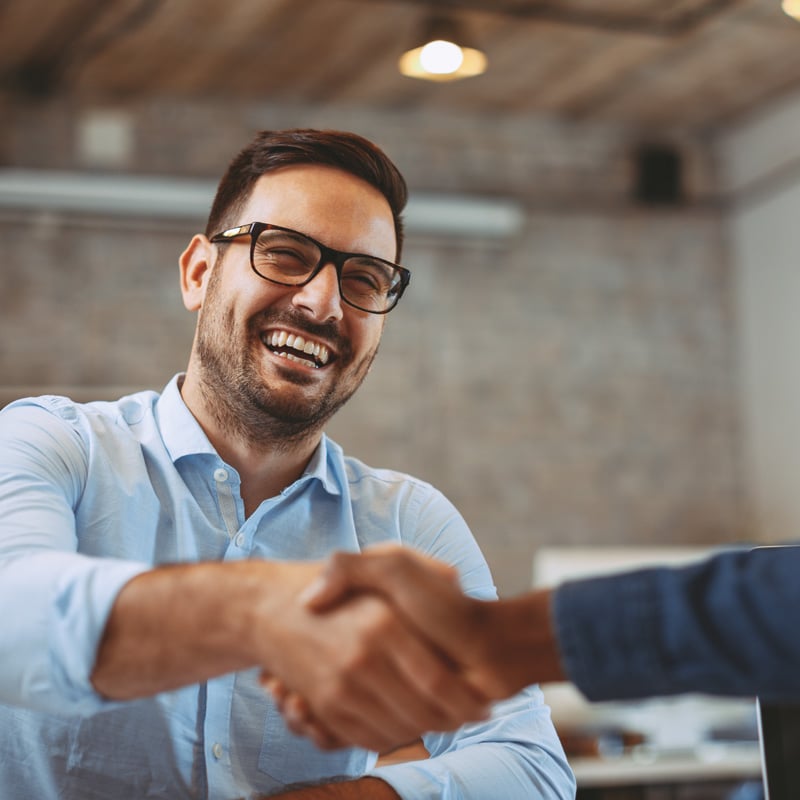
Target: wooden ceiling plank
point(193, 50)
point(334, 52)
point(717, 74)
point(30, 29)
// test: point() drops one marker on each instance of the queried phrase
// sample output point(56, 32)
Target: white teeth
point(298, 360)
point(318, 351)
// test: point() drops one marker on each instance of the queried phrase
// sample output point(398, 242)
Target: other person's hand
point(360, 674)
point(499, 646)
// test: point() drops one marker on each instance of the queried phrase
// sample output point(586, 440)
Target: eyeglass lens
point(289, 258)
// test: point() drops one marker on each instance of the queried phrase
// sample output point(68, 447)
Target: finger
point(426, 591)
point(440, 693)
point(369, 570)
point(368, 721)
point(299, 719)
point(336, 581)
point(296, 712)
point(373, 703)
point(322, 738)
point(301, 722)
point(406, 689)
point(312, 729)
point(276, 688)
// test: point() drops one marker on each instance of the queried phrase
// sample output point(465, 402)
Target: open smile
point(294, 347)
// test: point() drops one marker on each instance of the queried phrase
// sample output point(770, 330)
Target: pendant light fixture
point(792, 8)
point(442, 52)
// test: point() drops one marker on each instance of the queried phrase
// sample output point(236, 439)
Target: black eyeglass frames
point(290, 258)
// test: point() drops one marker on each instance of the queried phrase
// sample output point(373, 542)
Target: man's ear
point(196, 263)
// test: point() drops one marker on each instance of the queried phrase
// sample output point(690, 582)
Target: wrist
point(272, 602)
point(519, 644)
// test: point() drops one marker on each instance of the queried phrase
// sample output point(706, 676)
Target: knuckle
point(358, 661)
point(340, 560)
point(379, 622)
point(437, 682)
point(331, 699)
point(450, 573)
point(404, 561)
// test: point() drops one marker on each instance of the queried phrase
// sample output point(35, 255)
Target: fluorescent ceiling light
point(153, 197)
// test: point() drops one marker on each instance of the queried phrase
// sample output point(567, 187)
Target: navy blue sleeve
point(726, 626)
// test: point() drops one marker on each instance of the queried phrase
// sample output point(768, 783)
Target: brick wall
point(573, 384)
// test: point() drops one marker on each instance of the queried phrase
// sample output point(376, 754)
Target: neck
point(267, 457)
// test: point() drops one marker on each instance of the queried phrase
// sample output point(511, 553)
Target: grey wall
point(572, 384)
point(761, 161)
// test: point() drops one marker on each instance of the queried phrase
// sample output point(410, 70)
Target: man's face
point(246, 324)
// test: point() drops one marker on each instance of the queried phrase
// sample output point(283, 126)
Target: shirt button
point(216, 750)
point(239, 540)
point(220, 475)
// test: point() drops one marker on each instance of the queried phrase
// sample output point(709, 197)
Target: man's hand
point(500, 646)
point(365, 674)
point(427, 592)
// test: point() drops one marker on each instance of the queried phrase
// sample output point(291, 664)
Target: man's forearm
point(368, 678)
point(182, 624)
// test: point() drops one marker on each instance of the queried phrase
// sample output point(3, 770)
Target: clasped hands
point(412, 652)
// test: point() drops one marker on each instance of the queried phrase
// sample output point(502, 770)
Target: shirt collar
point(327, 465)
point(180, 431)
point(183, 436)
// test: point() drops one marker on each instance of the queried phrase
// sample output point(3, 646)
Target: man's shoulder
point(390, 488)
point(91, 415)
point(357, 471)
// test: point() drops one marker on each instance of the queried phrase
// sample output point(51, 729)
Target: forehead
point(340, 209)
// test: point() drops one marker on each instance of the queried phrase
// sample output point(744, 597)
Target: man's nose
point(320, 296)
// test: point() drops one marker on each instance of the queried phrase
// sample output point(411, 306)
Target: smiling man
point(156, 549)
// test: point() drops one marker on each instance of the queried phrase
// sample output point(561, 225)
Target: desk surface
point(708, 762)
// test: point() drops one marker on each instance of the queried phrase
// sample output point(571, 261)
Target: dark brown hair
point(271, 150)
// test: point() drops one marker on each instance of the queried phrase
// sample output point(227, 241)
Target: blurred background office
point(599, 345)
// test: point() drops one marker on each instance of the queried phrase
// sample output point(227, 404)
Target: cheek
point(368, 336)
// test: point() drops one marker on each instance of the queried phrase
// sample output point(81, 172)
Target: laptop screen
point(779, 731)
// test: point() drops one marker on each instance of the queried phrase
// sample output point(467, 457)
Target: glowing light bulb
point(792, 8)
point(441, 57)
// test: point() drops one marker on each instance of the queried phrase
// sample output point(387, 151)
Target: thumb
point(330, 588)
point(348, 573)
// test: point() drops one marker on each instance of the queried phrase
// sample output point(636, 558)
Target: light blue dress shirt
point(90, 496)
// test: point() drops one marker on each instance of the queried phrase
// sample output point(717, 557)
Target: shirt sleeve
point(516, 753)
point(58, 599)
point(724, 626)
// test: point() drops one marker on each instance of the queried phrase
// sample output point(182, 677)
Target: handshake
point(407, 652)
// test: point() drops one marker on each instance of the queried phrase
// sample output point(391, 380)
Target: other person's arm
point(723, 626)
point(503, 645)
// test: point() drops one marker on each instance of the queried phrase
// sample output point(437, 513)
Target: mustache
point(329, 331)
